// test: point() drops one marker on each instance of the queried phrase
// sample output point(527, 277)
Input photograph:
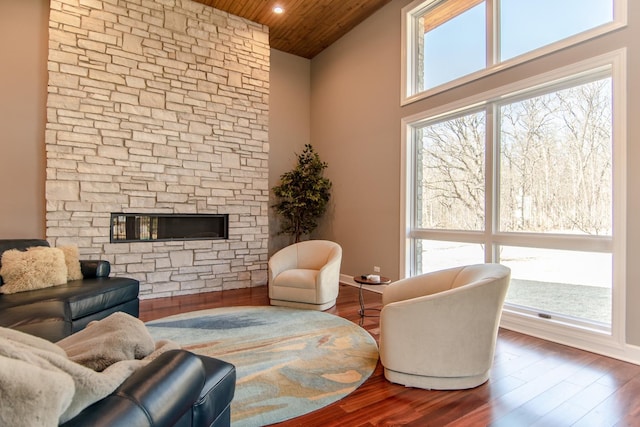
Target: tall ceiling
point(307, 26)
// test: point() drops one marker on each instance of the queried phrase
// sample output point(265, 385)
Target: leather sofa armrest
point(95, 268)
point(158, 394)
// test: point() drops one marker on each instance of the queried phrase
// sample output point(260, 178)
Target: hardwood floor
point(533, 382)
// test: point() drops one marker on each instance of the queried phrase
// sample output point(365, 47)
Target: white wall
point(355, 124)
point(23, 94)
point(289, 125)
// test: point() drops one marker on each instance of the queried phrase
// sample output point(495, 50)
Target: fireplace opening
point(132, 227)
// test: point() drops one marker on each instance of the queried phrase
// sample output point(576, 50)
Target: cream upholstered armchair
point(305, 275)
point(439, 330)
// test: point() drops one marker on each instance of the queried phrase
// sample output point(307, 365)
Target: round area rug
point(288, 362)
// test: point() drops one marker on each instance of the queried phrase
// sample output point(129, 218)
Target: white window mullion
point(491, 190)
point(619, 94)
point(493, 32)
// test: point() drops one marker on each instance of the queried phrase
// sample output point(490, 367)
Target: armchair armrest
point(95, 268)
point(285, 259)
point(331, 270)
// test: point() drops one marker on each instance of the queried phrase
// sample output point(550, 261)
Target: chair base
point(302, 305)
point(435, 383)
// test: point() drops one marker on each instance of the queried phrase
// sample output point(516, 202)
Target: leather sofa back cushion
point(35, 268)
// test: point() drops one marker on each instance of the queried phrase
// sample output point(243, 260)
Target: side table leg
point(361, 299)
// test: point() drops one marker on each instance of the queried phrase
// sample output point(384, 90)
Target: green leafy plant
point(302, 195)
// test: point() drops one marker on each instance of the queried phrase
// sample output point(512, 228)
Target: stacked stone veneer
point(159, 106)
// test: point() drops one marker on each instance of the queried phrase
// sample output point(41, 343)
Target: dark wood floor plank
point(537, 408)
point(576, 407)
point(533, 382)
point(621, 405)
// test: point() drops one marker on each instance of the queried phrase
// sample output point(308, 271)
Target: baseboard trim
point(588, 340)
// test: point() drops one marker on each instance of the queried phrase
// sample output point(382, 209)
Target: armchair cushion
point(298, 278)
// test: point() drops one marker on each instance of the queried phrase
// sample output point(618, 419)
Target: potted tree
point(302, 195)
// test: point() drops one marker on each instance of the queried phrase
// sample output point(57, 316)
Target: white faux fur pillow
point(72, 259)
point(35, 268)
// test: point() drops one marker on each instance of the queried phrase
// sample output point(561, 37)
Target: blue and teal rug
point(289, 362)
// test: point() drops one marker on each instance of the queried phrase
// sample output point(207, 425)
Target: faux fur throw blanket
point(44, 384)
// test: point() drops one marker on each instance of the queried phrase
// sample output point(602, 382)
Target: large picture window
point(448, 42)
point(526, 178)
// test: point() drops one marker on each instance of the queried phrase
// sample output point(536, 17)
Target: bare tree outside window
point(555, 168)
point(451, 187)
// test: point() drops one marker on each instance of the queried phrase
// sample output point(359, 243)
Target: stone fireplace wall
point(159, 106)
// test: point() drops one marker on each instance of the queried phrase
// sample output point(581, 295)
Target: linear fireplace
point(134, 227)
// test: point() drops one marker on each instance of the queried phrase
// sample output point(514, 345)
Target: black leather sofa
point(54, 313)
point(178, 389)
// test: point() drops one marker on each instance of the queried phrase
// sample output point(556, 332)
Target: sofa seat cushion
point(73, 300)
point(296, 285)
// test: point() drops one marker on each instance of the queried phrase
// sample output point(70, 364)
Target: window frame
point(607, 341)
point(409, 56)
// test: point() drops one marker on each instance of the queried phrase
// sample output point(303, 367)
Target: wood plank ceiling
point(307, 26)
